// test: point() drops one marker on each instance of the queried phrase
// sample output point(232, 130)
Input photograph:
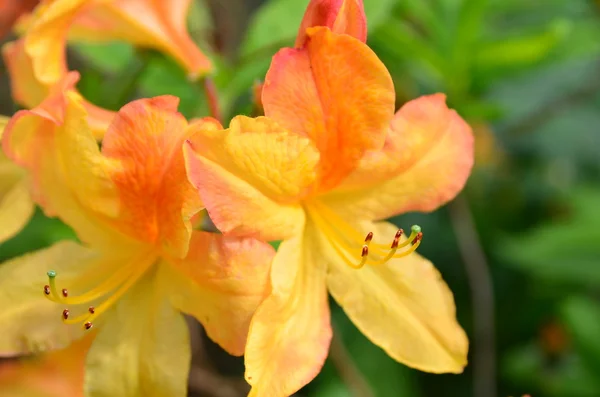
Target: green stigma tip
point(415, 229)
point(51, 273)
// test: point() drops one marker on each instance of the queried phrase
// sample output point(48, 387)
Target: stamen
point(65, 314)
point(88, 325)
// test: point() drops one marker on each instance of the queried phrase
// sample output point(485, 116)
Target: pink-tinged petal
point(291, 331)
point(30, 92)
point(69, 177)
point(147, 23)
point(11, 10)
point(341, 16)
point(403, 306)
point(336, 92)
point(30, 323)
point(221, 282)
point(425, 162)
point(252, 176)
point(157, 200)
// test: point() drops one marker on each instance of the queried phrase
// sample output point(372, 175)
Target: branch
point(482, 297)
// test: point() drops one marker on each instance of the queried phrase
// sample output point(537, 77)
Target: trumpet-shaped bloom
point(142, 263)
point(37, 62)
point(328, 162)
point(16, 206)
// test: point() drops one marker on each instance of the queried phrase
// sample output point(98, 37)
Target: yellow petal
point(403, 306)
point(252, 176)
point(290, 333)
point(69, 176)
point(425, 162)
point(26, 89)
point(152, 24)
point(30, 323)
point(142, 350)
point(16, 208)
point(221, 282)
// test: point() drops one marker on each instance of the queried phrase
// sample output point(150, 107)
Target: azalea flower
point(141, 263)
point(320, 172)
point(11, 11)
point(16, 206)
point(38, 61)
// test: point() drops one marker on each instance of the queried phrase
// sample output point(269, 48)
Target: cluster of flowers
point(327, 162)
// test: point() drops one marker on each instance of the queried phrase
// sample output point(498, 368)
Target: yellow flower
point(16, 206)
point(142, 263)
point(328, 162)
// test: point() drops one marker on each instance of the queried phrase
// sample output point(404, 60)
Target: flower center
point(344, 239)
point(111, 289)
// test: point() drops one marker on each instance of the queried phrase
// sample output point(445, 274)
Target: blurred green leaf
point(563, 252)
point(110, 57)
point(582, 318)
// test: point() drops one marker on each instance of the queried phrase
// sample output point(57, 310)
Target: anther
point(88, 325)
point(65, 314)
point(399, 234)
point(47, 289)
point(395, 243)
point(419, 237)
point(65, 292)
point(91, 309)
point(365, 251)
point(369, 237)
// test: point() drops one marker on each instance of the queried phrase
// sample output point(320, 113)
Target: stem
point(212, 98)
point(346, 368)
point(482, 297)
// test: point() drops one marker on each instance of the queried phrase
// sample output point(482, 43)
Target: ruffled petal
point(221, 282)
point(341, 16)
point(252, 176)
point(70, 178)
point(153, 24)
point(335, 91)
point(30, 323)
point(403, 306)
point(426, 161)
point(290, 333)
point(142, 350)
point(157, 200)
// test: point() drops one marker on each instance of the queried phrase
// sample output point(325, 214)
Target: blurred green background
point(520, 248)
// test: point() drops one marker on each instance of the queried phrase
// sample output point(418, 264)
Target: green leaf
point(110, 57)
point(582, 318)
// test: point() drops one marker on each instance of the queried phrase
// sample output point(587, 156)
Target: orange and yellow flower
point(37, 61)
point(141, 264)
point(327, 163)
point(16, 206)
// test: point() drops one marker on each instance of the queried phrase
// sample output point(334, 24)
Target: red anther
point(65, 292)
point(399, 234)
point(91, 309)
point(369, 237)
point(88, 325)
point(365, 251)
point(47, 289)
point(65, 314)
point(417, 238)
point(395, 243)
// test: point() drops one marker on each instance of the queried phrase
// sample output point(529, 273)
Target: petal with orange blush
point(425, 162)
point(157, 200)
point(28, 91)
point(290, 333)
point(341, 16)
point(221, 282)
point(153, 24)
point(336, 92)
point(252, 176)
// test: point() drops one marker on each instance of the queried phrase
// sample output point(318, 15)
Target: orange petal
point(29, 91)
point(252, 176)
point(54, 144)
point(425, 162)
point(341, 16)
point(10, 11)
point(335, 91)
point(154, 24)
point(290, 332)
point(221, 282)
point(157, 201)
